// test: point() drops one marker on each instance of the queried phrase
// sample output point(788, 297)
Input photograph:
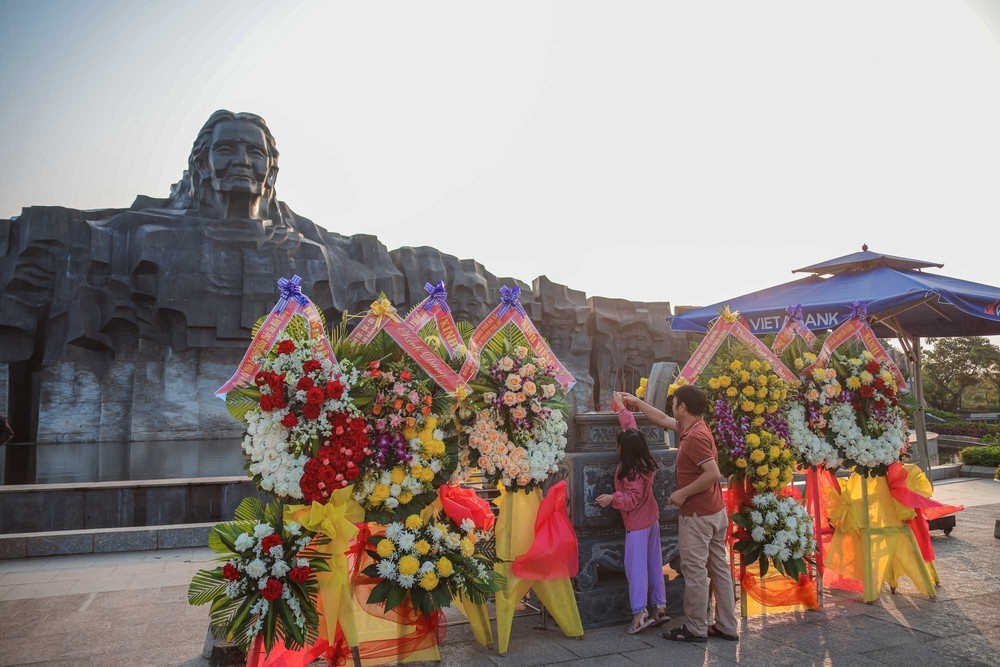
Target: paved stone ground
point(130, 609)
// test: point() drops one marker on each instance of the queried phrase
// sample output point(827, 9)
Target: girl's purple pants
point(644, 567)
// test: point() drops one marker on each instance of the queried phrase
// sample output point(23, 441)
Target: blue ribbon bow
point(438, 297)
point(291, 289)
point(859, 310)
point(510, 298)
point(795, 312)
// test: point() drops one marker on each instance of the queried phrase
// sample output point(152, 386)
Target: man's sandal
point(644, 622)
point(660, 617)
point(714, 631)
point(682, 634)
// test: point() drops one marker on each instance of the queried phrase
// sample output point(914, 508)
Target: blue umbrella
point(902, 301)
point(901, 298)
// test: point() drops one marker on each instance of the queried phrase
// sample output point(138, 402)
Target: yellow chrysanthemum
point(444, 567)
point(405, 497)
point(741, 463)
point(755, 365)
point(429, 581)
point(762, 393)
point(757, 455)
point(744, 376)
point(422, 547)
point(752, 439)
point(774, 452)
point(671, 390)
point(757, 421)
point(408, 565)
point(409, 433)
point(819, 374)
point(761, 380)
point(810, 357)
point(799, 364)
point(772, 408)
point(762, 470)
point(786, 454)
point(866, 377)
point(468, 548)
point(747, 406)
point(398, 475)
point(735, 365)
point(759, 409)
point(767, 367)
point(731, 392)
point(385, 548)
point(413, 522)
point(725, 381)
point(867, 356)
point(713, 383)
point(787, 475)
point(381, 491)
point(853, 383)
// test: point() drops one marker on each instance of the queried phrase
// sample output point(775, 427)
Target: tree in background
point(954, 365)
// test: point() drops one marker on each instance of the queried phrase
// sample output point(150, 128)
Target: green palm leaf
point(241, 400)
point(205, 586)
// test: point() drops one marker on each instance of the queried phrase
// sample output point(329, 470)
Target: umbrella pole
point(920, 424)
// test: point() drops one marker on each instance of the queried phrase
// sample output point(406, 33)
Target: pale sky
point(686, 152)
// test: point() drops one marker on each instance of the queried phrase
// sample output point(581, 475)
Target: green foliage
point(953, 365)
point(981, 456)
point(944, 414)
point(241, 400)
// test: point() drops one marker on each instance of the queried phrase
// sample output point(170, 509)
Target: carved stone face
point(468, 306)
point(238, 158)
point(637, 346)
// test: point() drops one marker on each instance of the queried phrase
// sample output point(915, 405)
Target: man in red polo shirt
point(703, 519)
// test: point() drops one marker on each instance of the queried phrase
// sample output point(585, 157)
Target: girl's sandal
point(644, 622)
point(682, 634)
point(660, 617)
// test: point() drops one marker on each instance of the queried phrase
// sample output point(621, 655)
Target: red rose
point(286, 347)
point(315, 396)
point(289, 420)
point(304, 384)
point(272, 591)
point(867, 391)
point(890, 391)
point(271, 540)
point(879, 384)
point(310, 411)
point(260, 379)
point(405, 376)
point(312, 366)
point(373, 365)
point(352, 473)
point(334, 390)
point(276, 382)
point(299, 574)
point(265, 403)
point(459, 504)
point(326, 475)
point(873, 367)
point(278, 402)
point(230, 572)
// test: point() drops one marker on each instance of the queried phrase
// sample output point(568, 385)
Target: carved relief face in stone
point(238, 157)
point(637, 345)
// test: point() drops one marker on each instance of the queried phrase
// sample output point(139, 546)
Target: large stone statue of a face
point(231, 170)
point(628, 338)
point(472, 290)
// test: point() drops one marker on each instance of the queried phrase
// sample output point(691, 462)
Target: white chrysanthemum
point(244, 542)
point(279, 569)
point(262, 530)
point(770, 519)
point(256, 568)
point(757, 534)
point(386, 569)
point(406, 541)
point(426, 567)
point(393, 531)
point(406, 580)
point(756, 517)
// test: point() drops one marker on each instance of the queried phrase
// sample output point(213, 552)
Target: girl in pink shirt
point(634, 498)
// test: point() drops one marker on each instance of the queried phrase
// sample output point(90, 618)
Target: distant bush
point(967, 429)
point(981, 456)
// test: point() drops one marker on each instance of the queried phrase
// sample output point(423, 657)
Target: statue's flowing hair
point(187, 192)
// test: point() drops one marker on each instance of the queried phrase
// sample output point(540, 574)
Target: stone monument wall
point(118, 324)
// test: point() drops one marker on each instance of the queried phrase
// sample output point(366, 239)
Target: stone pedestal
point(602, 589)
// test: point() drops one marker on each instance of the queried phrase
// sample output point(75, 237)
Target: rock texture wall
point(117, 324)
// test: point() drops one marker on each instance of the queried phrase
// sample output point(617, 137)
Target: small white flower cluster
point(782, 525)
point(865, 450)
point(809, 447)
point(266, 444)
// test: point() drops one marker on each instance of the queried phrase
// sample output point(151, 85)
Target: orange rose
point(425, 411)
point(397, 404)
point(410, 407)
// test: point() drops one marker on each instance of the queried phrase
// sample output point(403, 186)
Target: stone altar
point(117, 324)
